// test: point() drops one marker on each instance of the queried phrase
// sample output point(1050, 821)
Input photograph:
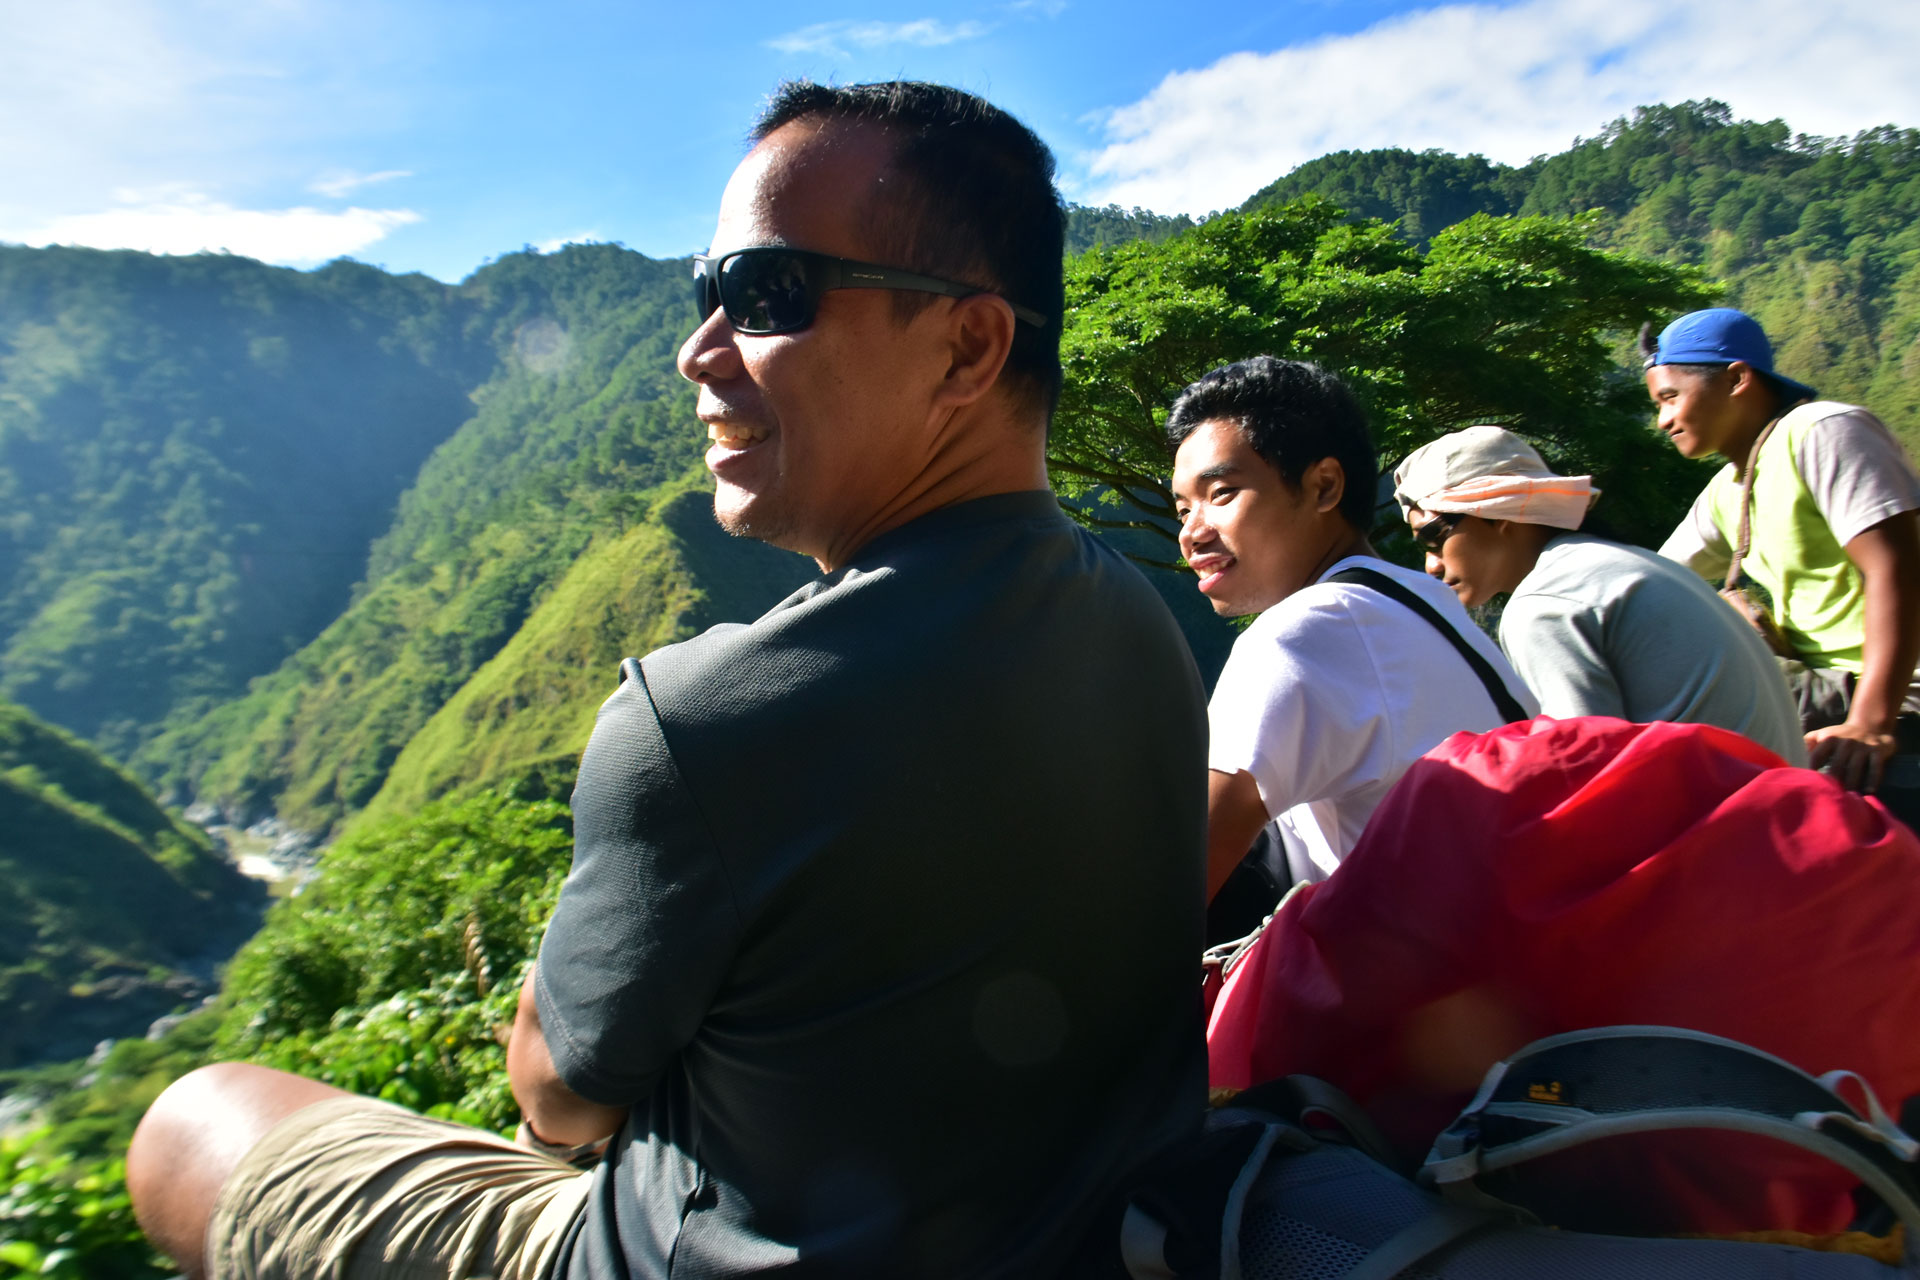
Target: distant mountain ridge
point(315, 542)
point(1819, 238)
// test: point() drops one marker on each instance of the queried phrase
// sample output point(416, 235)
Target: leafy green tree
point(396, 973)
point(1501, 320)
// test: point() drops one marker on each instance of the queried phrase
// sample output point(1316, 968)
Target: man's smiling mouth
point(735, 435)
point(1210, 568)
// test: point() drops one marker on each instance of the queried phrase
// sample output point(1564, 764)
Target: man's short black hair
point(1293, 414)
point(974, 203)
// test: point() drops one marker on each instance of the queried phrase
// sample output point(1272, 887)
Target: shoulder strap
point(1575, 1088)
point(1744, 543)
point(1509, 706)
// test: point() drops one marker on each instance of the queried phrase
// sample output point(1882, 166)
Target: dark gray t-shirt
point(884, 914)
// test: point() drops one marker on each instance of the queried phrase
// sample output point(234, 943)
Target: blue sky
point(430, 135)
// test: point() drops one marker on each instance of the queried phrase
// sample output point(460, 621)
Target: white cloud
point(560, 242)
point(336, 186)
point(101, 95)
point(835, 38)
point(171, 220)
point(1510, 82)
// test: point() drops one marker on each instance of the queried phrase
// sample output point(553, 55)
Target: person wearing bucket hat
point(1595, 628)
point(1816, 505)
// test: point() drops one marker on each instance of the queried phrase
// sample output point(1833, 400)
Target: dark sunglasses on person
point(1434, 533)
point(777, 290)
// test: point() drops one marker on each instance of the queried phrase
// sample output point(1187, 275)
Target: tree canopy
point(1511, 321)
point(1819, 238)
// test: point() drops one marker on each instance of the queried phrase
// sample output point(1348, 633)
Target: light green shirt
point(1828, 473)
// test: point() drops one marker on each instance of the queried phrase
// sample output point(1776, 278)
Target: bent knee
point(212, 1116)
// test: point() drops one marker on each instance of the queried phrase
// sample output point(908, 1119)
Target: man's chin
point(744, 516)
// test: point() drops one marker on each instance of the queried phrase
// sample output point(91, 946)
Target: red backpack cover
point(1551, 876)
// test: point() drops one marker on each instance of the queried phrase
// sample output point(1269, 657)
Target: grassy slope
point(528, 711)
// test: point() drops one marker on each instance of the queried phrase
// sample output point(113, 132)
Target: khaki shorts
point(352, 1187)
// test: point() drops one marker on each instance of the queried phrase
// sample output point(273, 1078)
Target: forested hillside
point(194, 456)
point(1817, 237)
point(107, 902)
point(571, 442)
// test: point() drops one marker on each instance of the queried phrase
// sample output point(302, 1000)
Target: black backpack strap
point(1509, 706)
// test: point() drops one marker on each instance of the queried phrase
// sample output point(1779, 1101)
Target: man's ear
point(979, 336)
point(1324, 483)
point(1741, 378)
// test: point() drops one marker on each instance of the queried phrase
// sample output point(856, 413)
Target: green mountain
point(114, 912)
point(194, 456)
point(362, 540)
point(580, 429)
point(1424, 191)
point(1819, 238)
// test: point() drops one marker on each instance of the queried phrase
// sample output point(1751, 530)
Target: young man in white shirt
point(1339, 685)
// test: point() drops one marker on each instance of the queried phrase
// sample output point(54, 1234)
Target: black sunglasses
point(1434, 533)
point(777, 290)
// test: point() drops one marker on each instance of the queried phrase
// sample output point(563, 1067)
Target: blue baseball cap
point(1721, 335)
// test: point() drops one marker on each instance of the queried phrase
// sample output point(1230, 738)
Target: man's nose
point(1193, 532)
point(1435, 567)
point(709, 351)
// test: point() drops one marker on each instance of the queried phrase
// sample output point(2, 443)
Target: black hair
point(974, 202)
point(1293, 414)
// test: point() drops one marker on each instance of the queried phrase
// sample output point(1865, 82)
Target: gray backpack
point(1265, 1195)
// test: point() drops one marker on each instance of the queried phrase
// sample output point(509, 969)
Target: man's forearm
point(1890, 571)
point(555, 1113)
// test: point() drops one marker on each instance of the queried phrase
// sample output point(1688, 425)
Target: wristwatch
point(582, 1156)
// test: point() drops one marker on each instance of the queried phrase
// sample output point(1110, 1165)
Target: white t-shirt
point(1331, 694)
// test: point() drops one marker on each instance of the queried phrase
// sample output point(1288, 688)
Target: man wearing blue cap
point(1816, 505)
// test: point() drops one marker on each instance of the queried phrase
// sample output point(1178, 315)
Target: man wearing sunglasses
point(1596, 628)
point(876, 958)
